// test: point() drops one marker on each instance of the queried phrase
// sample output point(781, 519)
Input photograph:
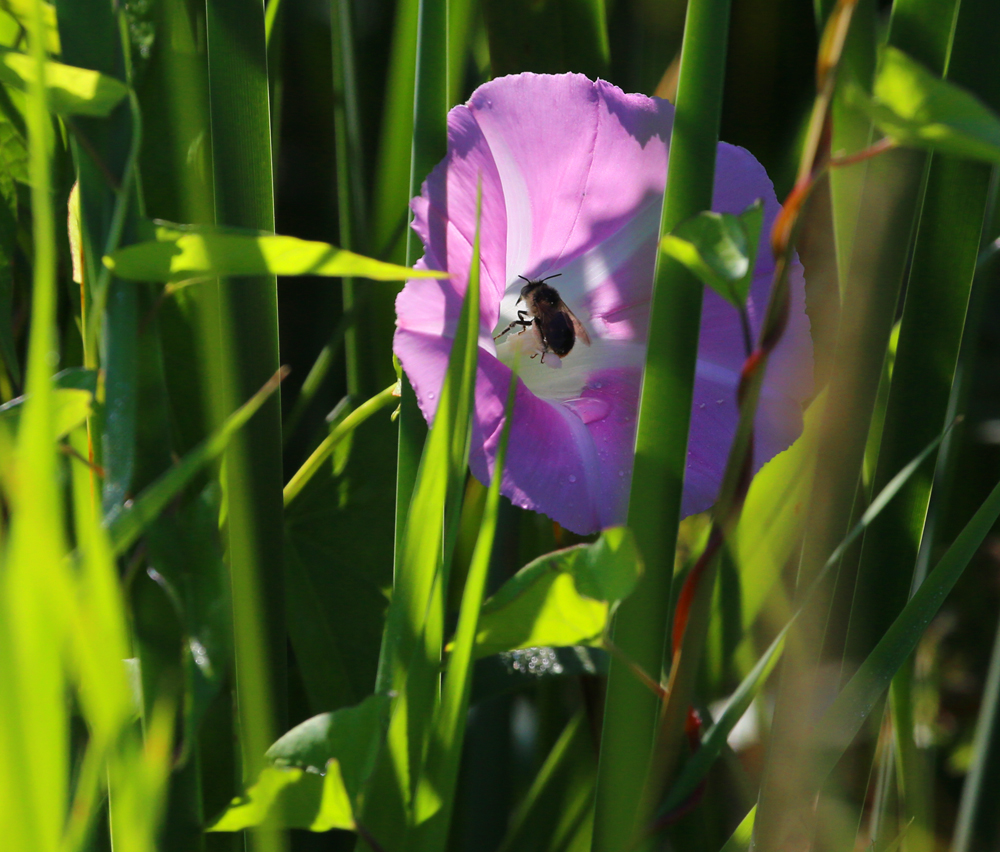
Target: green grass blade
point(976, 826)
point(891, 195)
point(33, 577)
point(348, 150)
point(661, 443)
point(548, 38)
point(560, 796)
point(847, 713)
point(435, 794)
point(201, 252)
point(330, 442)
point(414, 633)
point(248, 337)
point(127, 523)
point(697, 767)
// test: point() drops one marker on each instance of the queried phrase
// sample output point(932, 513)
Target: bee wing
point(581, 332)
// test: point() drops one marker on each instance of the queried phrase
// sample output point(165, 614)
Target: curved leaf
point(562, 598)
point(71, 90)
point(179, 253)
point(917, 109)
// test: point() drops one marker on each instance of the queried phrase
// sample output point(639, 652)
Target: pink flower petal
point(572, 174)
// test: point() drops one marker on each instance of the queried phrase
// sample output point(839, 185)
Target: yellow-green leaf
point(71, 90)
point(562, 598)
point(291, 798)
point(180, 253)
point(917, 109)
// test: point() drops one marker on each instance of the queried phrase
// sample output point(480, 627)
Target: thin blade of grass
point(891, 196)
point(248, 347)
point(661, 443)
point(435, 794)
point(413, 641)
point(127, 524)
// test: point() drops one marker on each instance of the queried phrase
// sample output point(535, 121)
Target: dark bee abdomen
point(559, 334)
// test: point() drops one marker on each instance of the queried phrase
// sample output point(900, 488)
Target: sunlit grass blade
point(247, 343)
point(127, 523)
point(696, 768)
point(891, 196)
point(33, 578)
point(435, 793)
point(329, 443)
point(178, 254)
point(847, 713)
point(414, 632)
point(661, 442)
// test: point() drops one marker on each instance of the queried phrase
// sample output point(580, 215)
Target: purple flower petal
point(572, 174)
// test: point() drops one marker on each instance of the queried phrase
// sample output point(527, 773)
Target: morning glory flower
point(572, 175)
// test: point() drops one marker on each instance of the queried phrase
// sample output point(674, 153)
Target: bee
point(554, 323)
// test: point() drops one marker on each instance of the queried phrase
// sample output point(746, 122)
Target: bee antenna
point(524, 279)
point(552, 276)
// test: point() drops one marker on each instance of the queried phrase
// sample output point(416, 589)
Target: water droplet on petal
point(572, 478)
point(621, 473)
point(431, 395)
point(701, 405)
point(719, 401)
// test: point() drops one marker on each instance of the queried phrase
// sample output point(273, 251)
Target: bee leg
point(521, 321)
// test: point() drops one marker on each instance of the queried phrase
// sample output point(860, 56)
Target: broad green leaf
point(179, 253)
point(319, 769)
point(562, 598)
point(917, 109)
point(720, 249)
point(351, 736)
point(24, 12)
point(770, 526)
point(291, 798)
point(71, 90)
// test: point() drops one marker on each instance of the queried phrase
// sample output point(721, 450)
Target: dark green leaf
point(351, 735)
point(185, 551)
